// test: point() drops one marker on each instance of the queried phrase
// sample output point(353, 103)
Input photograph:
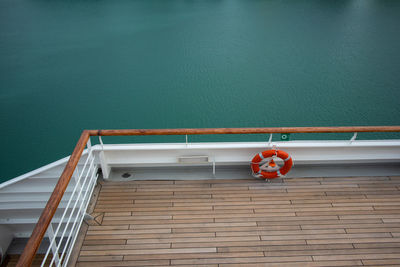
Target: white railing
point(63, 238)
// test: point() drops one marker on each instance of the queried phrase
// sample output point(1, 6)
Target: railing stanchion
point(214, 167)
point(270, 139)
point(101, 142)
point(89, 145)
point(354, 137)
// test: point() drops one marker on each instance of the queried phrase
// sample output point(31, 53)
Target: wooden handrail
point(246, 130)
point(39, 231)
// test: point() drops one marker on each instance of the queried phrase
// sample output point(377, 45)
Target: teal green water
point(67, 65)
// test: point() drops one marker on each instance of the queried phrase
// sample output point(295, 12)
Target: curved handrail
point(39, 231)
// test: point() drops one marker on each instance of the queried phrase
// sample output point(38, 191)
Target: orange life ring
point(255, 164)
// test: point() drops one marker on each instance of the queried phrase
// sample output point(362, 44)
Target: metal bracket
point(101, 142)
point(354, 137)
point(214, 167)
point(270, 139)
point(87, 217)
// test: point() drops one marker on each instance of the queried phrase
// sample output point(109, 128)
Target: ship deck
point(287, 222)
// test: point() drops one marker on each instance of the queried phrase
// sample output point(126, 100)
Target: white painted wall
point(302, 152)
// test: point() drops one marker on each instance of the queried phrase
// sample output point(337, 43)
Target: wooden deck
point(291, 222)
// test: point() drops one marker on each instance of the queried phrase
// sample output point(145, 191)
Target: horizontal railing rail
point(246, 130)
point(44, 221)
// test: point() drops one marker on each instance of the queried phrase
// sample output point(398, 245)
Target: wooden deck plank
point(350, 227)
point(352, 253)
point(236, 229)
point(265, 219)
point(137, 217)
point(87, 261)
point(319, 221)
point(282, 232)
point(296, 264)
point(100, 258)
point(384, 262)
point(203, 200)
point(238, 243)
point(326, 236)
point(192, 239)
point(192, 225)
point(151, 222)
point(149, 236)
point(124, 247)
point(358, 256)
point(352, 240)
point(107, 227)
point(129, 232)
point(392, 230)
point(147, 251)
point(243, 260)
point(105, 242)
point(180, 256)
point(285, 248)
point(377, 245)
point(195, 212)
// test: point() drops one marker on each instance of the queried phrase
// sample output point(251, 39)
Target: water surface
point(68, 65)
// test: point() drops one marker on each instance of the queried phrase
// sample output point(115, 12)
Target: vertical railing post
point(353, 138)
point(103, 161)
point(213, 165)
point(78, 182)
point(89, 146)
